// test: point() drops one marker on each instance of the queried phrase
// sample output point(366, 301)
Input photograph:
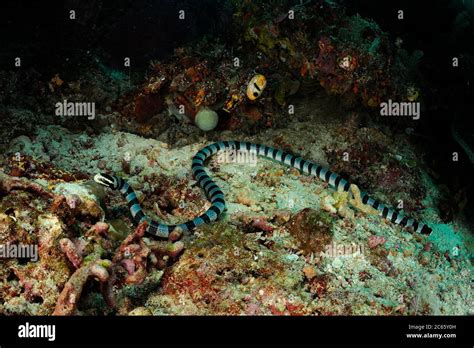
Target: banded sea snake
point(216, 196)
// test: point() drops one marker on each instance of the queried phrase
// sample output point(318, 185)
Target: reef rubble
point(257, 260)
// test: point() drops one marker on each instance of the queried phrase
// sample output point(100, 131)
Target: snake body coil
point(216, 196)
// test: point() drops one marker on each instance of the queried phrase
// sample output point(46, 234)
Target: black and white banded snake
point(216, 196)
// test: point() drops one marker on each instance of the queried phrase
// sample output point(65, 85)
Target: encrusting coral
point(273, 272)
point(71, 293)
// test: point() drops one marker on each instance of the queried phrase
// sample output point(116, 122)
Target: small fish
point(256, 86)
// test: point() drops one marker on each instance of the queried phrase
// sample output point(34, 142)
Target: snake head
point(106, 180)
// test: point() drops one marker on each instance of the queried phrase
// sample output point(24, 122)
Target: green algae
point(219, 233)
point(312, 229)
point(141, 291)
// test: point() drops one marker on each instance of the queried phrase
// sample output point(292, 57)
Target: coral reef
point(396, 172)
point(264, 257)
point(71, 293)
point(287, 243)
